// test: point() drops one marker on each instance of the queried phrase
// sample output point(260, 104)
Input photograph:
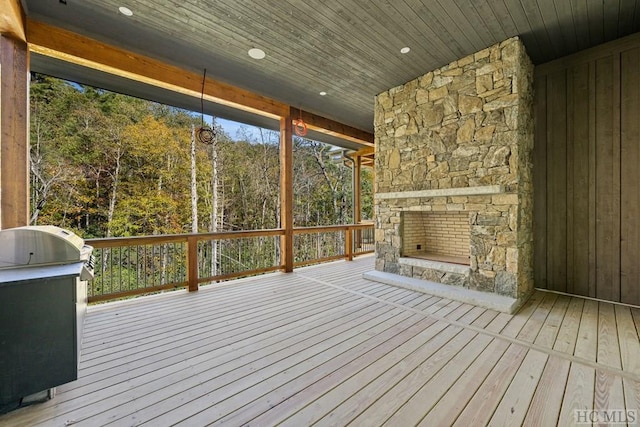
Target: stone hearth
point(460, 139)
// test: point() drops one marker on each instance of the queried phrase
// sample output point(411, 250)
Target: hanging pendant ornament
point(205, 134)
point(299, 126)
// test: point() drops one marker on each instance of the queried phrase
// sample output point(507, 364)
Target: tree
point(105, 164)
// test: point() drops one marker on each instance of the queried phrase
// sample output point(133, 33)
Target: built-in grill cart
point(43, 299)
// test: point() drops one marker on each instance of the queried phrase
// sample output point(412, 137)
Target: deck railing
point(127, 266)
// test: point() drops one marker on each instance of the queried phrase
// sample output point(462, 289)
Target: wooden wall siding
point(587, 175)
point(630, 175)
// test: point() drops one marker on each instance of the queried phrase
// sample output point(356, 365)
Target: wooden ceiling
point(349, 49)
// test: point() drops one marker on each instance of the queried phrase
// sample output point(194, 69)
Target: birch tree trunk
point(215, 184)
point(194, 183)
point(115, 179)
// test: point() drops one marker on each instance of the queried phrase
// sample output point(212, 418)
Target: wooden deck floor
point(323, 346)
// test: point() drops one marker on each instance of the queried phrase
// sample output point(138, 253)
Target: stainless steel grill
point(45, 245)
point(43, 299)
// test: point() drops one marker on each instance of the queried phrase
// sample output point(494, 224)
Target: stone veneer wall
point(467, 124)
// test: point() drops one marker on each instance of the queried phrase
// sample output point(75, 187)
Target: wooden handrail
point(329, 228)
point(190, 254)
point(110, 242)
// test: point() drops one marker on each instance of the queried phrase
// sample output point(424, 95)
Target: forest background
point(104, 164)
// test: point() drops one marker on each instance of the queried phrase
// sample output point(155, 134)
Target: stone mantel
point(444, 192)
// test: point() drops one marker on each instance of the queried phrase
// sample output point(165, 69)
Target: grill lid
point(38, 245)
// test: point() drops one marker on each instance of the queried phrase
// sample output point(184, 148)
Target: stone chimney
point(459, 141)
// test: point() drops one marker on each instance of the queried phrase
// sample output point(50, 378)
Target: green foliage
point(104, 164)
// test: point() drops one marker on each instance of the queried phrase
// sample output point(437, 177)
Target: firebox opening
point(436, 236)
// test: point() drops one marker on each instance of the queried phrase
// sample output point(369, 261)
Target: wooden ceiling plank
point(368, 36)
point(525, 28)
point(581, 20)
point(236, 32)
point(12, 19)
point(342, 70)
point(550, 17)
point(625, 19)
point(301, 41)
point(380, 24)
point(359, 76)
point(498, 28)
point(442, 51)
point(464, 13)
point(611, 16)
point(413, 37)
point(534, 16)
point(466, 35)
point(595, 12)
point(566, 24)
point(431, 20)
point(499, 10)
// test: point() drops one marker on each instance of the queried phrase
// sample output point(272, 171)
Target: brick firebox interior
point(438, 236)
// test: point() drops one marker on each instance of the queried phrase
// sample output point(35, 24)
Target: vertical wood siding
point(587, 173)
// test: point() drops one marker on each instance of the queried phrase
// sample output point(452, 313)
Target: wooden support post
point(286, 192)
point(357, 198)
point(348, 243)
point(357, 187)
point(14, 134)
point(192, 263)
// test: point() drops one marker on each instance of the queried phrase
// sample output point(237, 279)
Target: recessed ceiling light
point(405, 49)
point(125, 11)
point(256, 53)
point(323, 93)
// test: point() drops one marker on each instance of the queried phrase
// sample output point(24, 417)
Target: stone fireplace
point(453, 185)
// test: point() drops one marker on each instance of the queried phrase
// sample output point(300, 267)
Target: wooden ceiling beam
point(331, 127)
point(71, 47)
point(55, 42)
point(366, 151)
point(12, 19)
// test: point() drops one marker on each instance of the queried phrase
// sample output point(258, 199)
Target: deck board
point(568, 333)
point(225, 375)
point(325, 345)
point(579, 393)
point(253, 380)
point(453, 401)
point(628, 338)
point(418, 401)
point(608, 346)
point(221, 349)
point(479, 409)
point(546, 403)
point(292, 395)
point(375, 378)
point(513, 406)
